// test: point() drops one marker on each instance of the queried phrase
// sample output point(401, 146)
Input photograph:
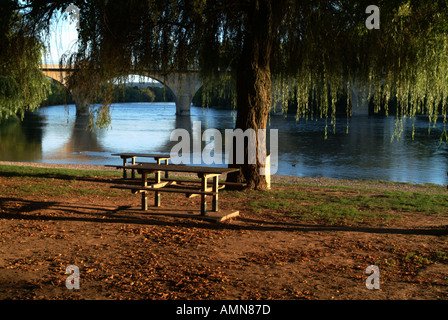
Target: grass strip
point(61, 173)
point(337, 205)
point(328, 204)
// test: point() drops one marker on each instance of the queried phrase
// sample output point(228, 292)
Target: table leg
point(167, 175)
point(144, 193)
point(133, 171)
point(157, 194)
point(215, 196)
point(204, 196)
point(124, 168)
point(144, 201)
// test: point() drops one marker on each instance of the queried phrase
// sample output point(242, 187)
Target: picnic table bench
point(126, 155)
point(159, 185)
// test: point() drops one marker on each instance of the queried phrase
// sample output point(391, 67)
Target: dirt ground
point(124, 253)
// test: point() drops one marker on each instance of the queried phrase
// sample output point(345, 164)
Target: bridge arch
point(64, 95)
point(56, 72)
point(184, 85)
point(60, 74)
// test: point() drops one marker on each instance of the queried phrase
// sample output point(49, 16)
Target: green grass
point(347, 205)
point(43, 187)
point(436, 256)
point(24, 171)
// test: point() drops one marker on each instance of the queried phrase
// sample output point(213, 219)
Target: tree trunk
point(254, 90)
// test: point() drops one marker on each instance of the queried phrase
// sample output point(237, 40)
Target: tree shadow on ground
point(16, 209)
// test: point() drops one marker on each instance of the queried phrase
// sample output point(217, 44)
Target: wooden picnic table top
point(146, 155)
point(181, 168)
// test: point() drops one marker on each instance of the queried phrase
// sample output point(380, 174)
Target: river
point(56, 135)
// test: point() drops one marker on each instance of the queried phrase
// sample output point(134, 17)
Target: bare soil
point(124, 253)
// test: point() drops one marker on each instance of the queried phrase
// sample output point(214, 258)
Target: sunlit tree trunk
point(254, 89)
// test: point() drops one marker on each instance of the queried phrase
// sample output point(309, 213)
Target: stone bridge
point(184, 85)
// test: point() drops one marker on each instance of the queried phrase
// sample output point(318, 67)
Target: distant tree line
point(56, 94)
point(143, 94)
point(59, 95)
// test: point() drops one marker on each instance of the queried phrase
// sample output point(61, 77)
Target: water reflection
point(21, 141)
point(365, 152)
point(56, 134)
point(82, 141)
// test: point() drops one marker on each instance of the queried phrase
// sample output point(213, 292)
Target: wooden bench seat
point(186, 190)
point(178, 181)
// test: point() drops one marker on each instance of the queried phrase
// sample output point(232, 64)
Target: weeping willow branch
point(23, 87)
point(320, 50)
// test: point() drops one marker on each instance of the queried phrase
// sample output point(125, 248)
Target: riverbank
point(321, 181)
point(305, 239)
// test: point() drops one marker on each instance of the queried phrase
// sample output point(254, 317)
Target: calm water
point(56, 135)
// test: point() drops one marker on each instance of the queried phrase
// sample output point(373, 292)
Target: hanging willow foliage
point(406, 60)
point(321, 50)
point(23, 87)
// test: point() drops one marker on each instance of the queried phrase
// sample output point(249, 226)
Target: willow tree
point(22, 84)
point(314, 50)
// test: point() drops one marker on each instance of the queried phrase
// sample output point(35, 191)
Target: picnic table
point(159, 185)
point(125, 156)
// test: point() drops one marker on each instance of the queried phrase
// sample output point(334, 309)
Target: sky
point(62, 40)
